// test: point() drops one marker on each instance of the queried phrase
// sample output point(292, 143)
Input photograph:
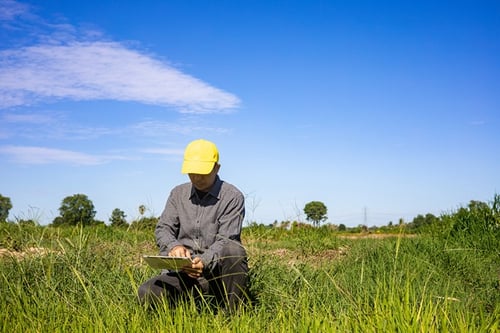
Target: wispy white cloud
point(67, 64)
point(49, 125)
point(43, 155)
point(154, 128)
point(10, 9)
point(163, 151)
point(26, 118)
point(53, 61)
point(55, 125)
point(27, 124)
point(102, 71)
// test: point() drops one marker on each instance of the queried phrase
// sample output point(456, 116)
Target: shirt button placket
point(197, 234)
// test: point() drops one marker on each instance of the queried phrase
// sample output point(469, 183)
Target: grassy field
point(77, 279)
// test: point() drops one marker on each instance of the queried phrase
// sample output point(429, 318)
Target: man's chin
point(201, 189)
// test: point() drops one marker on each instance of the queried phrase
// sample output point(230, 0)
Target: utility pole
point(365, 217)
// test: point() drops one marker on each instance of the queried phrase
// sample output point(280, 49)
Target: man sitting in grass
point(202, 220)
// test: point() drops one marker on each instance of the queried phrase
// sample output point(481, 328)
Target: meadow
point(303, 279)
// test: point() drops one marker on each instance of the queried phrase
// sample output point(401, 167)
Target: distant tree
point(96, 223)
point(58, 221)
point(417, 222)
point(117, 218)
point(142, 209)
point(26, 222)
point(478, 218)
point(431, 219)
point(342, 227)
point(145, 223)
point(363, 228)
point(476, 226)
point(421, 223)
point(5, 206)
point(77, 209)
point(316, 212)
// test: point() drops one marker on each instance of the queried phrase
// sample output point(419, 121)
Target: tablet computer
point(166, 262)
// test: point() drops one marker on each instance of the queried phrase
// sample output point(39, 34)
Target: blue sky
point(380, 109)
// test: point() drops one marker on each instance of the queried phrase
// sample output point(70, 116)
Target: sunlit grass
point(87, 281)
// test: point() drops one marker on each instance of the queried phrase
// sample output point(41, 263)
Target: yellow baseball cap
point(200, 157)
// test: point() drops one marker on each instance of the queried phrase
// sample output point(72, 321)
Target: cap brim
point(198, 167)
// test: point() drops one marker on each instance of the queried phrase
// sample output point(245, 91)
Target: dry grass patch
point(29, 252)
point(295, 256)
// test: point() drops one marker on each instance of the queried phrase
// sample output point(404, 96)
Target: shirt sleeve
point(230, 224)
point(167, 229)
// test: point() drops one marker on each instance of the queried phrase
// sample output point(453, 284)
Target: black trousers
point(226, 281)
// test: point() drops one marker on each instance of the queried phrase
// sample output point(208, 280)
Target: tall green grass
point(88, 283)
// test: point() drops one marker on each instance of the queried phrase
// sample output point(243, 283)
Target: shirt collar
point(214, 190)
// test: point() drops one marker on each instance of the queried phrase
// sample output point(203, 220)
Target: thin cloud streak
point(39, 126)
point(26, 118)
point(163, 151)
point(62, 62)
point(43, 155)
point(153, 128)
point(57, 61)
point(11, 9)
point(102, 71)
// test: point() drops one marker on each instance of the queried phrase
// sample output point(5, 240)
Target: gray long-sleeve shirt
point(203, 225)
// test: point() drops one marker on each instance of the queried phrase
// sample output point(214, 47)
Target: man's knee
point(153, 290)
point(233, 259)
point(233, 250)
point(144, 293)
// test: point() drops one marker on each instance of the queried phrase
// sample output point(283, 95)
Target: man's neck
point(200, 194)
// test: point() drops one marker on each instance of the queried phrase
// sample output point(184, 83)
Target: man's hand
point(196, 269)
point(180, 251)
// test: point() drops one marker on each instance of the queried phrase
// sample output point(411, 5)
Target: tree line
point(79, 210)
